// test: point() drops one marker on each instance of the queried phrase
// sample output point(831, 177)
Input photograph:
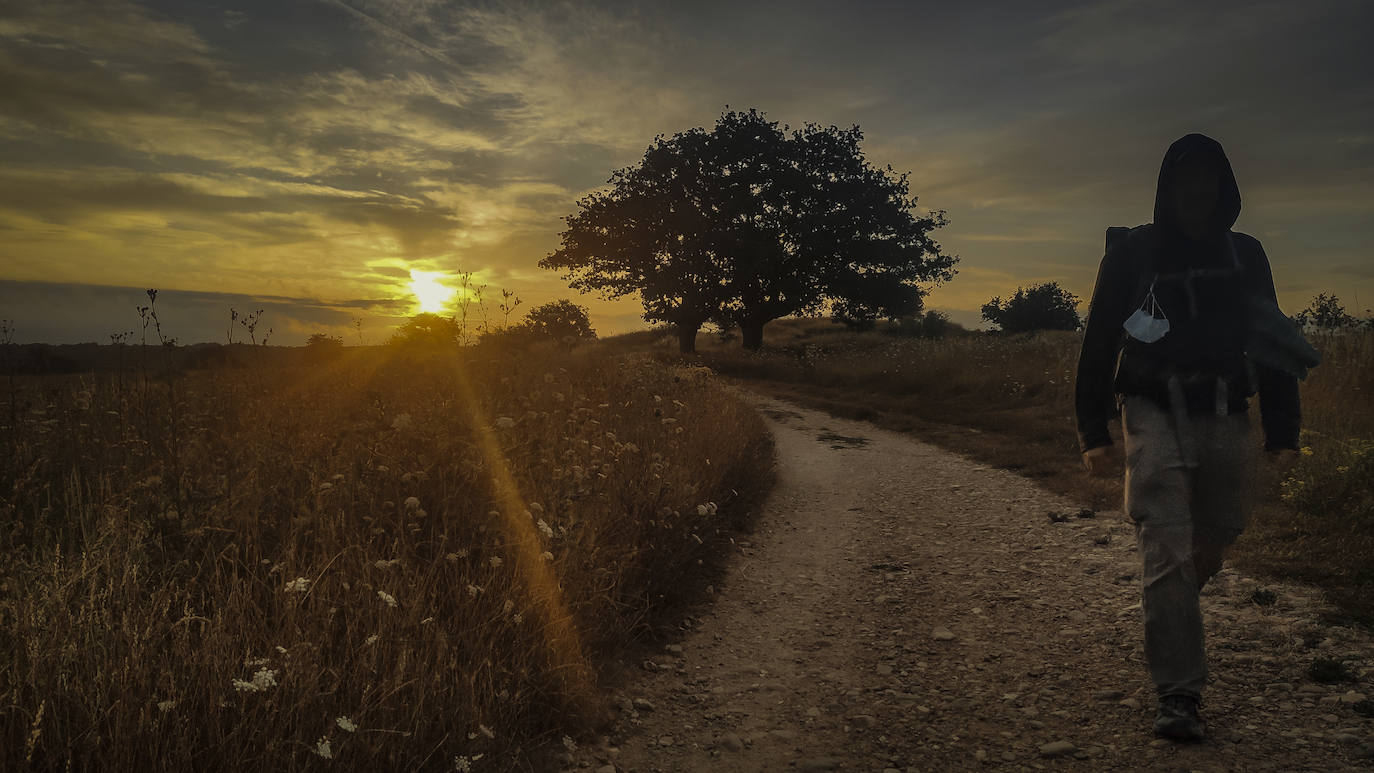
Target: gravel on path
point(903, 608)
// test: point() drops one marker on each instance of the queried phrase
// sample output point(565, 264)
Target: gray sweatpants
point(1189, 495)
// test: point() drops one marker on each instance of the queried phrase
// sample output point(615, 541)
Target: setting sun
point(429, 291)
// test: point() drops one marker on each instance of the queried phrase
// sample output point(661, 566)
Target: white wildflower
point(451, 556)
point(166, 706)
point(336, 477)
point(387, 597)
point(370, 639)
point(547, 556)
point(383, 563)
point(538, 508)
point(427, 620)
point(544, 528)
point(298, 585)
point(322, 748)
point(345, 724)
point(517, 618)
point(507, 607)
point(281, 649)
point(495, 562)
point(702, 510)
point(412, 503)
point(473, 590)
point(486, 731)
point(263, 678)
point(326, 486)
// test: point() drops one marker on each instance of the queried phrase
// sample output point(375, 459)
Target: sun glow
point(430, 292)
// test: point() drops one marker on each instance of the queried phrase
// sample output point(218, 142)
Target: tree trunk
point(687, 338)
point(752, 333)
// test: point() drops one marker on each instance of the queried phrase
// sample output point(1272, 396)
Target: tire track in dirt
point(902, 608)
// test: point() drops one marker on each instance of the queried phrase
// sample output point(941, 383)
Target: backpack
point(1274, 340)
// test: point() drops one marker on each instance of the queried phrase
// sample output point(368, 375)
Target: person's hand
point(1100, 461)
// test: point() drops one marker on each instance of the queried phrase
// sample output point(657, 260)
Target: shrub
point(932, 324)
point(1041, 307)
point(427, 329)
point(561, 320)
point(1325, 311)
point(324, 341)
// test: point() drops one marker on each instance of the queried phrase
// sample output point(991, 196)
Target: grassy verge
point(1008, 401)
point(380, 560)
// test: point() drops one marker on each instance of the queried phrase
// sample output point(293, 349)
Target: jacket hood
point(1227, 207)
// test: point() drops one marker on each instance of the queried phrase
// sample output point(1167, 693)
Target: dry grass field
point(383, 559)
point(1008, 400)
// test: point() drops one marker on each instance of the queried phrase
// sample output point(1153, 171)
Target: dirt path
point(901, 608)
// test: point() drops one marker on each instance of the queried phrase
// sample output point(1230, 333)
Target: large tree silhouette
point(748, 223)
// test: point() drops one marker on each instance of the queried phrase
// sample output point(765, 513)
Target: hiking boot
point(1177, 718)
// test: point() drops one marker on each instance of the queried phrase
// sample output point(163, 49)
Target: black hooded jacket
point(1202, 287)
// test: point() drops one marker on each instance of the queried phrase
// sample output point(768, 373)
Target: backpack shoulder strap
point(1137, 245)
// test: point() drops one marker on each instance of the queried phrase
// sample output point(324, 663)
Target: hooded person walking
point(1180, 308)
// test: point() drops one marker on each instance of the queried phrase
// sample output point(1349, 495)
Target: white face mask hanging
point(1148, 323)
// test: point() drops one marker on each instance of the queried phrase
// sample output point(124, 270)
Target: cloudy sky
point(305, 156)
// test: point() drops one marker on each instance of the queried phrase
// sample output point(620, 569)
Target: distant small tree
point(324, 341)
point(1326, 311)
point(559, 320)
point(932, 324)
point(426, 329)
point(1044, 306)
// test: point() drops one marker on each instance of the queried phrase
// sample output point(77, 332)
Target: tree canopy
point(1044, 306)
point(748, 223)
